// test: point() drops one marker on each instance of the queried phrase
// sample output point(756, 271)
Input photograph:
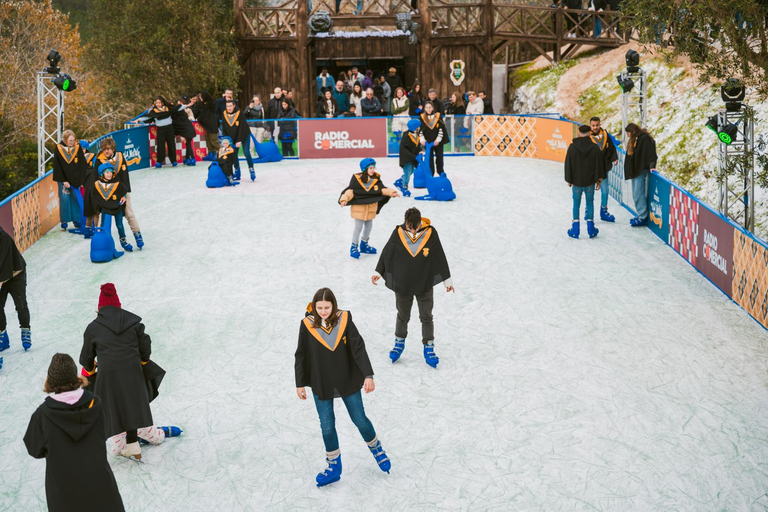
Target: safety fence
point(733, 259)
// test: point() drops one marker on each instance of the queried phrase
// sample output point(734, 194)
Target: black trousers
point(190, 154)
point(436, 159)
point(404, 304)
point(16, 287)
point(166, 139)
point(288, 149)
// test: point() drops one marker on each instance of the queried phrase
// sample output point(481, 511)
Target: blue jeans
point(407, 173)
point(640, 194)
point(118, 222)
point(354, 404)
point(247, 150)
point(604, 189)
point(590, 193)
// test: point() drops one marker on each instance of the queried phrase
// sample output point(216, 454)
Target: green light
point(725, 138)
point(65, 85)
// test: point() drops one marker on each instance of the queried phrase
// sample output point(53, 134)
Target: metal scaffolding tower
point(50, 118)
point(736, 167)
point(634, 106)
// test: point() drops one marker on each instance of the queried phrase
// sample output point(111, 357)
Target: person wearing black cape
point(13, 282)
point(235, 126)
point(204, 109)
point(433, 130)
point(127, 380)
point(184, 128)
point(603, 140)
point(69, 168)
point(366, 195)
point(640, 161)
point(412, 263)
point(67, 430)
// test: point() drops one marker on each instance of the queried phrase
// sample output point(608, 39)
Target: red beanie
point(108, 296)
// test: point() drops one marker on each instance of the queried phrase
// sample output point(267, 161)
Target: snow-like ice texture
point(599, 374)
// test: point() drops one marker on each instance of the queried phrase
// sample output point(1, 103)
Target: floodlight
point(626, 83)
point(732, 93)
point(65, 83)
point(53, 62)
point(728, 134)
point(633, 61)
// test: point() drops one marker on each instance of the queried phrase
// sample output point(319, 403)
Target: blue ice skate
point(26, 339)
point(236, 175)
point(396, 352)
point(638, 222)
point(381, 457)
point(171, 431)
point(139, 239)
point(158, 165)
point(125, 245)
point(591, 229)
point(429, 355)
point(331, 474)
point(253, 173)
point(365, 248)
point(210, 157)
point(401, 187)
point(5, 342)
point(575, 228)
point(605, 216)
point(1, 363)
point(354, 252)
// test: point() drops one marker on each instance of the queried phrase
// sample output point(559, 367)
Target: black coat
point(254, 113)
point(235, 127)
point(89, 209)
point(182, 126)
point(608, 149)
point(409, 148)
point(415, 105)
point(205, 113)
point(274, 108)
point(226, 159)
point(412, 269)
point(11, 261)
point(394, 82)
point(121, 168)
point(487, 106)
point(334, 364)
point(69, 167)
point(118, 340)
point(584, 163)
point(643, 157)
point(287, 128)
point(72, 440)
point(430, 129)
point(105, 197)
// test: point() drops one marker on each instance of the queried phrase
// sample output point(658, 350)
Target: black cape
point(431, 129)
point(72, 440)
point(105, 197)
point(410, 147)
point(235, 126)
point(11, 260)
point(226, 160)
point(205, 113)
point(608, 149)
point(121, 168)
point(333, 364)
point(584, 163)
point(182, 126)
point(643, 158)
point(367, 193)
point(89, 209)
point(69, 167)
point(118, 339)
point(411, 266)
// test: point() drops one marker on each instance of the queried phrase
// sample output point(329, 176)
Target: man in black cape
point(412, 263)
point(13, 282)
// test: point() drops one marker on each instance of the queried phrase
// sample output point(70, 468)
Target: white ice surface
point(599, 374)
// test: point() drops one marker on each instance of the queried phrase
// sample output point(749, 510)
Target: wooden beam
point(425, 34)
point(305, 87)
point(487, 47)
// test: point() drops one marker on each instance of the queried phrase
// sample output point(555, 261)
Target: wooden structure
point(276, 47)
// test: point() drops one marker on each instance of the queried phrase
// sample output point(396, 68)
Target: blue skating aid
point(171, 431)
point(267, 151)
point(429, 355)
point(381, 457)
point(331, 474)
point(591, 229)
point(366, 249)
point(216, 177)
point(102, 243)
point(396, 352)
point(5, 342)
point(439, 188)
point(422, 171)
point(575, 228)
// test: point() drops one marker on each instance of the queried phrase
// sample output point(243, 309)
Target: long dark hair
point(413, 90)
point(164, 102)
point(634, 132)
point(327, 295)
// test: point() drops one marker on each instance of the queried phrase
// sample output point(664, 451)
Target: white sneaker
point(132, 451)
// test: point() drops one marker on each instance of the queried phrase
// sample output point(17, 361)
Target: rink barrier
point(731, 258)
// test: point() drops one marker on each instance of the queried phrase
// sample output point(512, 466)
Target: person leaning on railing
point(475, 107)
point(370, 104)
point(287, 129)
point(341, 96)
point(640, 161)
point(255, 110)
point(400, 108)
point(327, 107)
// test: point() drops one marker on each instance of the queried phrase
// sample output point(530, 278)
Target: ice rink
point(602, 374)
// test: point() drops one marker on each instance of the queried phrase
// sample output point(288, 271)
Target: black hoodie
point(117, 338)
point(11, 261)
point(584, 163)
point(72, 440)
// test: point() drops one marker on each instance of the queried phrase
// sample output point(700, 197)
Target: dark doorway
point(379, 66)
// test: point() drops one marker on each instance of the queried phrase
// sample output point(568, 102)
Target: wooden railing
point(458, 19)
point(268, 22)
point(362, 7)
point(524, 20)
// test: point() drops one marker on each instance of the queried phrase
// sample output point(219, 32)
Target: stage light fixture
point(732, 93)
point(53, 62)
point(65, 83)
point(712, 123)
point(728, 134)
point(633, 61)
point(626, 83)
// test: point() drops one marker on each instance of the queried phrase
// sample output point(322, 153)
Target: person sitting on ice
point(226, 158)
point(332, 360)
point(109, 198)
point(412, 263)
point(584, 171)
point(366, 195)
point(67, 430)
point(410, 147)
point(117, 338)
point(13, 282)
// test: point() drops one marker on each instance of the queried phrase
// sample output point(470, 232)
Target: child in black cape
point(69, 169)
point(235, 126)
point(366, 195)
point(68, 431)
point(226, 158)
point(13, 282)
point(412, 263)
point(162, 114)
point(433, 130)
point(410, 147)
point(108, 197)
point(332, 360)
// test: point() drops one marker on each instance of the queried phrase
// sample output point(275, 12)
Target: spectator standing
point(393, 80)
point(356, 99)
point(370, 104)
point(640, 161)
point(341, 97)
point(438, 104)
point(399, 111)
point(221, 103)
point(487, 105)
point(415, 101)
point(287, 128)
point(344, 83)
point(275, 104)
point(325, 82)
point(456, 108)
point(386, 95)
point(205, 113)
point(328, 107)
point(355, 76)
point(474, 108)
point(255, 111)
point(183, 127)
point(367, 81)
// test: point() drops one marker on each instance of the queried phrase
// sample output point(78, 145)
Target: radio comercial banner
point(715, 259)
point(343, 138)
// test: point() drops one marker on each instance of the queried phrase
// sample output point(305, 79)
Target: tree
point(168, 47)
point(723, 39)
